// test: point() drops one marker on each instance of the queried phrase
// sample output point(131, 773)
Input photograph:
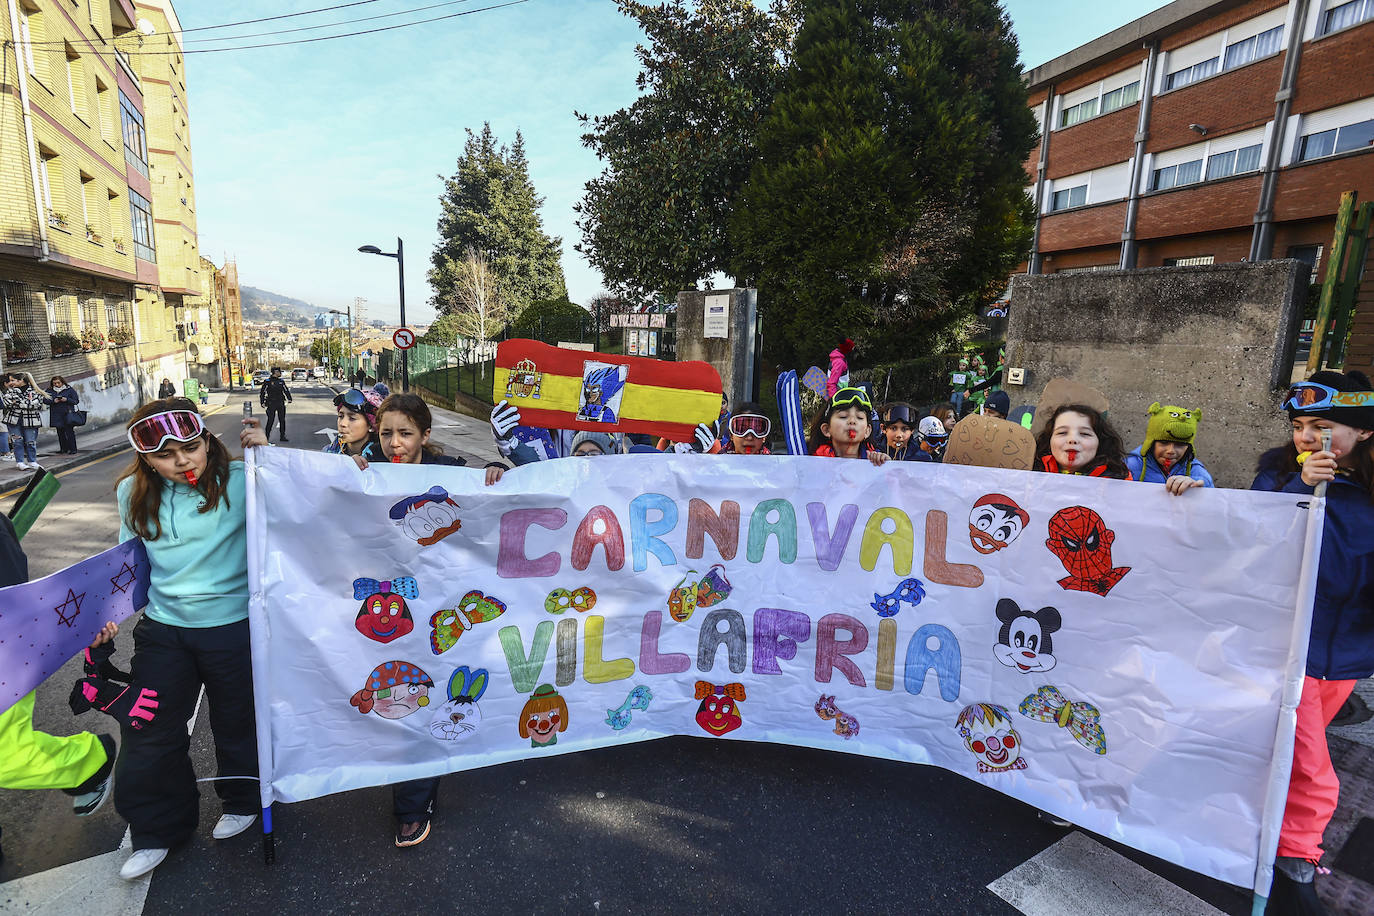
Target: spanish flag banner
point(558, 388)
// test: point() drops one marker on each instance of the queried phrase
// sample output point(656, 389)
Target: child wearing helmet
point(934, 436)
point(899, 428)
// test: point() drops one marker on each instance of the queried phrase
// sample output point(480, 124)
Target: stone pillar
point(734, 354)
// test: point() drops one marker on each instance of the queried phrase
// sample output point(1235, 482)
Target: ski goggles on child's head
point(354, 399)
point(750, 424)
point(1315, 396)
point(150, 433)
point(900, 413)
point(846, 397)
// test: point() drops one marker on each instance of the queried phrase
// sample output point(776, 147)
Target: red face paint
point(1072, 455)
point(853, 434)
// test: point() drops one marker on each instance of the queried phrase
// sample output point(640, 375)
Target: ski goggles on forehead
point(900, 415)
point(847, 396)
point(353, 399)
point(750, 424)
point(1315, 396)
point(150, 433)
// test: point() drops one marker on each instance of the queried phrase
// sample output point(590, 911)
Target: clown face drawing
point(995, 522)
point(989, 735)
point(545, 715)
point(719, 709)
point(384, 615)
point(428, 518)
point(1083, 543)
point(393, 690)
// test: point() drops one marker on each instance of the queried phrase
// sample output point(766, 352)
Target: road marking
point(1078, 876)
point(89, 886)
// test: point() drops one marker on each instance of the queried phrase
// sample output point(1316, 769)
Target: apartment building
point(88, 287)
point(1204, 132)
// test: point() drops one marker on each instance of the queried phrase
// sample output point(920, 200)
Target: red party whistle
point(190, 477)
point(398, 459)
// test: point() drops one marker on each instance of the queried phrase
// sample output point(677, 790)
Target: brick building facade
point(1207, 131)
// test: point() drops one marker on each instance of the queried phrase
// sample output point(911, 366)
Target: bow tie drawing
point(1082, 720)
point(404, 586)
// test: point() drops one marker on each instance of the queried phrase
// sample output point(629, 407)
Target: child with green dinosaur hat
point(1167, 455)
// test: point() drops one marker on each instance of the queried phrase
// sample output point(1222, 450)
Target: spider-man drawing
point(1083, 543)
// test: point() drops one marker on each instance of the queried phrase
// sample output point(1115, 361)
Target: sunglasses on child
point(151, 433)
point(1315, 396)
point(750, 424)
point(846, 396)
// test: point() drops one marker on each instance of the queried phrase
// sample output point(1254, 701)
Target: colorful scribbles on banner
point(605, 392)
point(1083, 543)
point(561, 599)
point(545, 715)
point(995, 522)
point(713, 587)
point(910, 591)
point(1082, 720)
point(393, 690)
point(682, 600)
point(428, 518)
point(384, 615)
point(639, 698)
point(846, 726)
point(449, 624)
point(991, 737)
point(459, 716)
point(1026, 640)
point(718, 713)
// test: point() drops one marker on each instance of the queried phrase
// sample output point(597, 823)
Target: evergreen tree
point(655, 221)
point(888, 200)
point(489, 206)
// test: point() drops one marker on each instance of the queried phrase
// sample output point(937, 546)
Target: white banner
point(1096, 648)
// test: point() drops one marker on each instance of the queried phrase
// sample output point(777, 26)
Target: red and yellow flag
point(579, 389)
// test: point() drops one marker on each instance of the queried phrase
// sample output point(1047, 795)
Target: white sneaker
point(141, 862)
point(232, 825)
point(6, 457)
point(22, 465)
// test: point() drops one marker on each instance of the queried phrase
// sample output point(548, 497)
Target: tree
point(655, 221)
point(333, 347)
point(489, 205)
point(479, 307)
point(888, 200)
point(553, 320)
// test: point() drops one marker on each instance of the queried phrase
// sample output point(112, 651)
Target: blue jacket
point(199, 574)
point(1342, 642)
point(1147, 469)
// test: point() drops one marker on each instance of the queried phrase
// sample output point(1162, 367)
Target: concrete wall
point(1218, 337)
point(733, 356)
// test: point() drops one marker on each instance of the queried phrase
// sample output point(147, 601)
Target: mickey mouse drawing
point(1024, 642)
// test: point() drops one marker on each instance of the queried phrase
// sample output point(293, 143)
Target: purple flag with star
point(45, 622)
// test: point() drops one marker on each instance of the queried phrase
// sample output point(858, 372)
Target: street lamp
point(349, 315)
point(399, 255)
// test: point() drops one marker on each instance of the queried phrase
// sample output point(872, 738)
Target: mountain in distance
point(264, 305)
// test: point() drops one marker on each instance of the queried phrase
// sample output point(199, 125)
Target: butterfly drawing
point(1082, 720)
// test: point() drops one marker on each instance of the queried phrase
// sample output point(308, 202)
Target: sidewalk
point(91, 442)
point(458, 434)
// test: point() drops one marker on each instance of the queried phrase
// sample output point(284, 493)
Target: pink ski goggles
point(150, 433)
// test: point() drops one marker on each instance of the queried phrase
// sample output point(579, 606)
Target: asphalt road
point(677, 825)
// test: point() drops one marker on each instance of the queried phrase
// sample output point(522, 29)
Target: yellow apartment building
point(98, 253)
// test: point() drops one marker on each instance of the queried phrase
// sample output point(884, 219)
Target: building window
point(90, 311)
point(141, 216)
point(1080, 112)
point(1181, 78)
point(1069, 197)
point(59, 312)
point(135, 137)
point(117, 315)
point(1253, 48)
point(1336, 140)
point(1200, 261)
point(1120, 98)
point(9, 300)
point(31, 33)
point(1347, 14)
point(1175, 175)
point(1233, 162)
point(76, 84)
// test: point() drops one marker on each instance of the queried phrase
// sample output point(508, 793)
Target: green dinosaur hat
point(1170, 424)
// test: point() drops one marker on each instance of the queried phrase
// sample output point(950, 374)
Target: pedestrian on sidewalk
point(168, 390)
point(63, 400)
point(23, 407)
point(273, 395)
point(1340, 649)
point(184, 497)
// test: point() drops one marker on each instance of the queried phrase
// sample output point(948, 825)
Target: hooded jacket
point(1146, 468)
point(1342, 642)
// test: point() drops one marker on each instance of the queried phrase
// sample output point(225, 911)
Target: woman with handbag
point(63, 400)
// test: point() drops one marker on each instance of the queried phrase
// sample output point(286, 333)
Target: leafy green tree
point(333, 345)
point(888, 200)
point(655, 221)
point(489, 206)
point(553, 320)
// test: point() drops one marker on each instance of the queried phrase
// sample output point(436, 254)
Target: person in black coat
point(166, 389)
point(273, 395)
point(63, 398)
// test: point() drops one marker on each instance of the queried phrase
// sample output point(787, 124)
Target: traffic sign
point(404, 338)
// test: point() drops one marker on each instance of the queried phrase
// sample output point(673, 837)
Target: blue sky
point(303, 153)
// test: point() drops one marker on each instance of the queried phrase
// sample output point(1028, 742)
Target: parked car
point(320, 372)
point(260, 376)
point(299, 375)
